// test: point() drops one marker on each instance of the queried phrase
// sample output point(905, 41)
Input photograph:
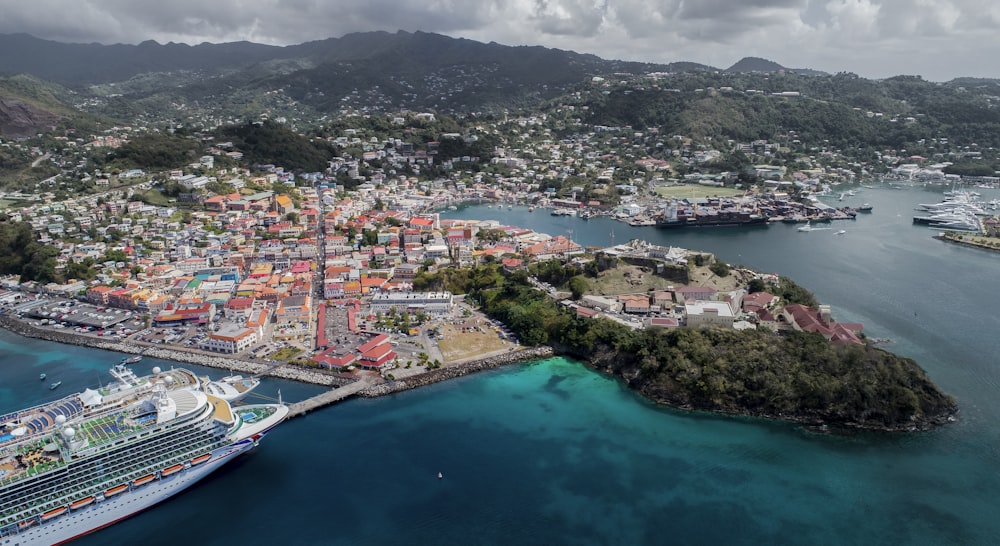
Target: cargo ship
point(89, 460)
point(676, 217)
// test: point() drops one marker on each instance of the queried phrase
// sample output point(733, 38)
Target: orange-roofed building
point(99, 294)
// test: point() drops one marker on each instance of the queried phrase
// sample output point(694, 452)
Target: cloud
point(870, 37)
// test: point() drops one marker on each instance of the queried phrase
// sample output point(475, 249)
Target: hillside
point(378, 70)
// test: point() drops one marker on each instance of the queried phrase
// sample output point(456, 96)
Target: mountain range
point(377, 70)
point(84, 86)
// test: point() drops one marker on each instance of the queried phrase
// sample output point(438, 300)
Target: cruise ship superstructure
point(91, 459)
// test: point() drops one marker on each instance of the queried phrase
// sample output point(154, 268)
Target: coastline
point(967, 244)
point(282, 371)
point(304, 375)
point(457, 370)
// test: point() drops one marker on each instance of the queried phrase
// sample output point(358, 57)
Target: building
point(695, 293)
point(716, 314)
point(427, 302)
point(231, 339)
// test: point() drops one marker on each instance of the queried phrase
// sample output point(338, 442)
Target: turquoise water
point(554, 453)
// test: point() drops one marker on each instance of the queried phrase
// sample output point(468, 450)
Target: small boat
point(865, 208)
point(231, 388)
point(55, 385)
point(440, 475)
point(41, 377)
point(132, 359)
point(201, 458)
point(115, 490)
point(807, 227)
point(55, 512)
point(531, 209)
point(77, 504)
point(170, 470)
point(841, 232)
point(143, 480)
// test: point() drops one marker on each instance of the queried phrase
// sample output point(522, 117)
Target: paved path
point(326, 398)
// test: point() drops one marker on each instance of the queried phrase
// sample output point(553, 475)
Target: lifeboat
point(81, 503)
point(55, 512)
point(115, 490)
point(22, 525)
point(170, 470)
point(201, 458)
point(143, 480)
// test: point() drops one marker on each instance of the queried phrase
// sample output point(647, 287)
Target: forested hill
point(794, 376)
point(843, 110)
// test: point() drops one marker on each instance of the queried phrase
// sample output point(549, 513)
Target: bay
point(552, 453)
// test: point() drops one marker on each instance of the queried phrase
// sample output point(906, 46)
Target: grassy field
point(696, 191)
point(457, 345)
point(630, 279)
point(626, 279)
point(287, 354)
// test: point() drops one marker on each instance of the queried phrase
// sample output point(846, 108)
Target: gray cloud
point(875, 38)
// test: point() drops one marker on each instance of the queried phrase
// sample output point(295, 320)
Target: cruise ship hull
point(109, 511)
point(118, 503)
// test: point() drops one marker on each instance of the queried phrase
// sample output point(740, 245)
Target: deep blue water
point(553, 453)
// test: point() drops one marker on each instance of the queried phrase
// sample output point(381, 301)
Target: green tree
point(578, 286)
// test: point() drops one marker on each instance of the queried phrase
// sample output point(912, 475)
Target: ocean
point(551, 452)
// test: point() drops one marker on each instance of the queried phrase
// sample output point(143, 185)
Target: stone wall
point(450, 372)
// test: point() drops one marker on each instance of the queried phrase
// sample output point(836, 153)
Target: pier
point(326, 398)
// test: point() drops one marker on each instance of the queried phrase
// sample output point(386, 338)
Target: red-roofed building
point(758, 300)
point(99, 294)
point(807, 319)
point(381, 339)
point(422, 224)
point(332, 358)
point(238, 308)
point(510, 264)
point(377, 356)
point(192, 312)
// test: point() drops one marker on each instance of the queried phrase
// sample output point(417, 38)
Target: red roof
point(377, 352)
point(374, 342)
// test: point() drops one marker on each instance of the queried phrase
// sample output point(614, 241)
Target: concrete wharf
point(326, 398)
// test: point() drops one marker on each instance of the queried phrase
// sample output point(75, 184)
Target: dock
point(326, 398)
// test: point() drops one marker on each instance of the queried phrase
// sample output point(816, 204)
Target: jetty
point(326, 398)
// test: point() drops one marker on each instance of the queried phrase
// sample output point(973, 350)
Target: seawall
point(451, 372)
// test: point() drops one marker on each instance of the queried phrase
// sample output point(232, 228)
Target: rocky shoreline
point(944, 237)
point(451, 372)
point(291, 372)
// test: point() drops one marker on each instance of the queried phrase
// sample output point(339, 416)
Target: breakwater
point(283, 371)
point(451, 372)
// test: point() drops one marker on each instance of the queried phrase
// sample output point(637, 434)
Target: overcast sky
point(937, 39)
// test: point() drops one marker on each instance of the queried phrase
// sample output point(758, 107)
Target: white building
point(709, 313)
point(231, 339)
point(427, 302)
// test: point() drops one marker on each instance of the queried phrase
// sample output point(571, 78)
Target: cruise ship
point(86, 461)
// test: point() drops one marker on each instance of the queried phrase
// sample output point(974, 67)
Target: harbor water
point(551, 452)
